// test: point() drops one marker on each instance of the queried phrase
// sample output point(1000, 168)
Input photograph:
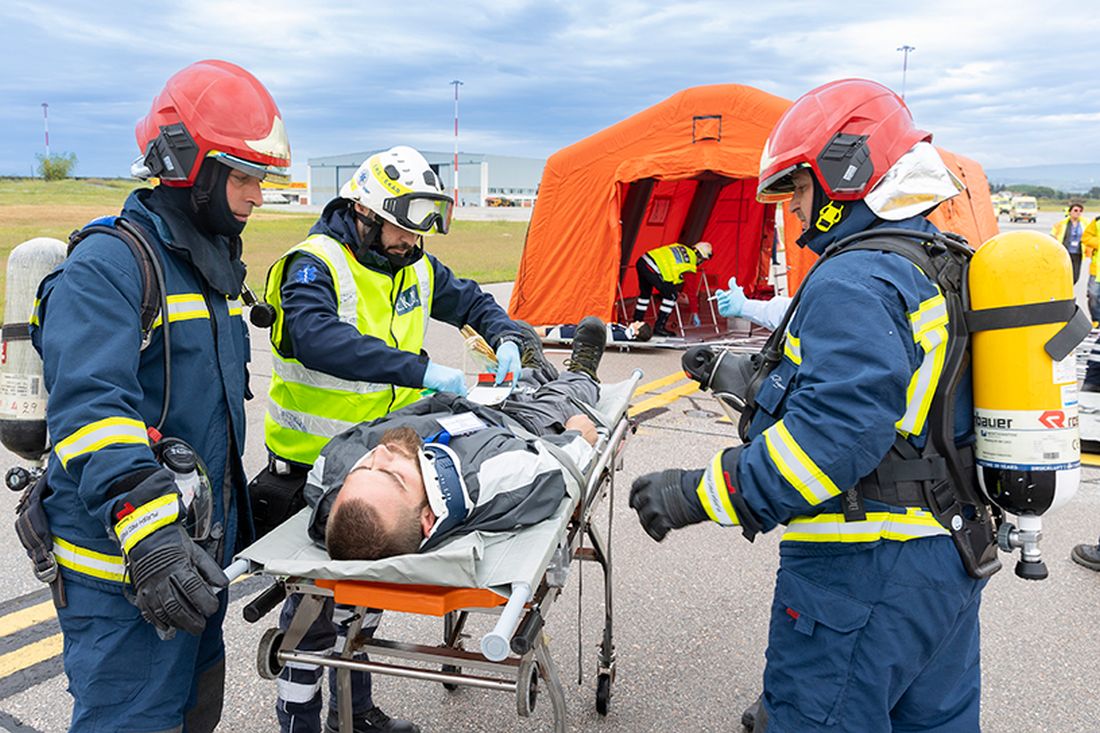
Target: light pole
point(456, 84)
point(46, 126)
point(905, 65)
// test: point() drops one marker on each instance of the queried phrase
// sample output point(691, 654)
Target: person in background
point(635, 331)
point(1068, 231)
point(663, 269)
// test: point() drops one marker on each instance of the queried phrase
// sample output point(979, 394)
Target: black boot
point(755, 717)
point(588, 344)
point(1087, 555)
point(531, 355)
point(659, 325)
point(372, 721)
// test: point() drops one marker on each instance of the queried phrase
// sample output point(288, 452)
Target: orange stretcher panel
point(434, 600)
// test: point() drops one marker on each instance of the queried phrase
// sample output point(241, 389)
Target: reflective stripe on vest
point(89, 562)
point(914, 524)
point(306, 407)
point(672, 261)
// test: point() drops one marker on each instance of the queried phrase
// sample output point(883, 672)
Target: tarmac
point(690, 614)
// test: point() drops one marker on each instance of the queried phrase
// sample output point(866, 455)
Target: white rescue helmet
point(704, 250)
point(399, 186)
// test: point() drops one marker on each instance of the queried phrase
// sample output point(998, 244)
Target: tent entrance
point(712, 207)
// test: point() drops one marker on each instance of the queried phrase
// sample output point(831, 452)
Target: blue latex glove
point(507, 361)
point(695, 320)
point(731, 302)
point(445, 379)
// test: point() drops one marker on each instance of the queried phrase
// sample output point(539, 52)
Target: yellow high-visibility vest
point(673, 260)
point(306, 407)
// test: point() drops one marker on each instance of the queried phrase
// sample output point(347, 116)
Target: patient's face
point(389, 479)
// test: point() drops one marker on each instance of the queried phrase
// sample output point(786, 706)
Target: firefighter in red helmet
point(143, 591)
point(850, 439)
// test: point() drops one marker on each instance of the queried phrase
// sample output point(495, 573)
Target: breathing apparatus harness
point(941, 476)
point(174, 454)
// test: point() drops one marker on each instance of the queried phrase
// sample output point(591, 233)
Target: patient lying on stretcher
point(445, 466)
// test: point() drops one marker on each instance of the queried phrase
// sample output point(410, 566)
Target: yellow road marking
point(658, 383)
point(1090, 459)
point(20, 620)
point(30, 655)
point(664, 398)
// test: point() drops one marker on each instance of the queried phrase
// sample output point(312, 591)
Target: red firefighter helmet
point(849, 132)
point(212, 109)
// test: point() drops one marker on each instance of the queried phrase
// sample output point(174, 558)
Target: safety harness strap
point(1060, 345)
point(32, 526)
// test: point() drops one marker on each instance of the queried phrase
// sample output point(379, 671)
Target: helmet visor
point(270, 173)
point(421, 212)
point(776, 188)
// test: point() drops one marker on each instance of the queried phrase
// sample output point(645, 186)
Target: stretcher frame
point(521, 616)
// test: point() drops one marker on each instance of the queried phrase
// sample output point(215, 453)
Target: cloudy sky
point(1006, 83)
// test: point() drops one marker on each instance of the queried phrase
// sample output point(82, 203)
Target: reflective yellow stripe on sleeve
point(146, 519)
point(797, 467)
point(792, 348)
point(929, 324)
point(184, 307)
point(89, 562)
point(713, 493)
point(234, 306)
point(914, 524)
point(101, 434)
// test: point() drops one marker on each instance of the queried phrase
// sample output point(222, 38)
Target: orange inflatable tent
point(683, 170)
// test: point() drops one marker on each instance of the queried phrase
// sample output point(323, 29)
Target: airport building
point(483, 179)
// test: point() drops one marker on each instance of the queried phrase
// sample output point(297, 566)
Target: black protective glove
point(175, 582)
point(667, 500)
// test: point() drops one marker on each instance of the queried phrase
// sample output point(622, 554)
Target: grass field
point(486, 251)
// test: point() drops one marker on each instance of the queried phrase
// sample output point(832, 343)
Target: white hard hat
point(704, 249)
point(399, 186)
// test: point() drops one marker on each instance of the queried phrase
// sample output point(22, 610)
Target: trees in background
point(56, 167)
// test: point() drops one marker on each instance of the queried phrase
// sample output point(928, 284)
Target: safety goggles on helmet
point(421, 212)
point(271, 173)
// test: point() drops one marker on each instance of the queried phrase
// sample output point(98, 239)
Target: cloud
point(1006, 84)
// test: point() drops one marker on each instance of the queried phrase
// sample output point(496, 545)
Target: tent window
point(706, 127)
point(658, 211)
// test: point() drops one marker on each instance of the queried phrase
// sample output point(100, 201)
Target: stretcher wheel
point(267, 656)
point(603, 693)
point(527, 688)
point(451, 669)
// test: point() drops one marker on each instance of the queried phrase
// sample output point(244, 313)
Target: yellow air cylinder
point(1025, 403)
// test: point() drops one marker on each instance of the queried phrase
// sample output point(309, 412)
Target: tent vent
point(706, 127)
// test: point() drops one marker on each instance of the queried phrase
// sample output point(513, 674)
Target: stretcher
point(515, 575)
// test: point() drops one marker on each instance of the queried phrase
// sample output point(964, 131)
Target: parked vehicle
point(1024, 208)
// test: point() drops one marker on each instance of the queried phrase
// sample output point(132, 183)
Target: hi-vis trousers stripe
point(797, 467)
point(914, 524)
point(184, 307)
point(296, 373)
point(101, 434)
point(929, 323)
point(303, 422)
point(89, 562)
